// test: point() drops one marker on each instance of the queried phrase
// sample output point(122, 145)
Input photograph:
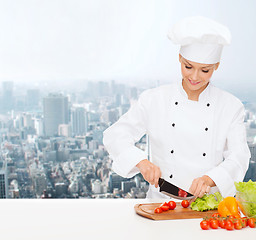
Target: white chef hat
point(201, 39)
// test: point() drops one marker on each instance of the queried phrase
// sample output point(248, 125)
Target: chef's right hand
point(149, 171)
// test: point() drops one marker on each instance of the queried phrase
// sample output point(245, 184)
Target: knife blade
point(173, 191)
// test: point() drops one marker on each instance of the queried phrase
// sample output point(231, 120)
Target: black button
point(204, 154)
point(172, 151)
point(208, 104)
point(173, 124)
point(176, 103)
point(206, 129)
point(171, 176)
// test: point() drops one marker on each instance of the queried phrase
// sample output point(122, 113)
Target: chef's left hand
point(201, 185)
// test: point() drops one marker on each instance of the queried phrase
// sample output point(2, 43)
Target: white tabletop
point(97, 219)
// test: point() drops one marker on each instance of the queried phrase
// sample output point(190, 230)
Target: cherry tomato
point(232, 218)
point(185, 203)
point(165, 208)
point(172, 205)
point(251, 222)
point(214, 224)
point(204, 225)
point(182, 193)
point(222, 223)
point(229, 225)
point(158, 210)
point(215, 215)
point(238, 224)
point(164, 204)
point(244, 222)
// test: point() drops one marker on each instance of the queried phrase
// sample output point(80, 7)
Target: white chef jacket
point(188, 139)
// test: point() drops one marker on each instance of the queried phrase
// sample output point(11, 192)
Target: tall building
point(109, 116)
point(64, 130)
point(251, 172)
point(7, 96)
point(27, 120)
point(55, 113)
point(18, 122)
point(97, 187)
point(3, 180)
point(39, 126)
point(61, 189)
point(40, 183)
point(97, 135)
point(115, 181)
point(253, 152)
point(127, 185)
point(79, 121)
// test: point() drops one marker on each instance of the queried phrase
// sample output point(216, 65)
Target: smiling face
point(196, 76)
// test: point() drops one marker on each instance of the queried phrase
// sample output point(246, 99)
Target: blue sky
point(56, 40)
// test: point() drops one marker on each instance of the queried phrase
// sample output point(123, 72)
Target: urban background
point(51, 141)
point(71, 68)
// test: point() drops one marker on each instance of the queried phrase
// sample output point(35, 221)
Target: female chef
point(196, 131)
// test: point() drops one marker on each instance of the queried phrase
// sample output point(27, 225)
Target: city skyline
point(53, 147)
point(246, 92)
point(70, 160)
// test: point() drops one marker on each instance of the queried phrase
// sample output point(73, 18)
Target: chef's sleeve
point(120, 138)
point(236, 157)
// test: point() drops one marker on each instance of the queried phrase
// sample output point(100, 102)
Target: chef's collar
point(202, 97)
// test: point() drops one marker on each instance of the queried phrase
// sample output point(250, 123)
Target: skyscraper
point(3, 180)
point(115, 181)
point(7, 96)
point(251, 172)
point(79, 121)
point(55, 113)
point(39, 126)
point(64, 130)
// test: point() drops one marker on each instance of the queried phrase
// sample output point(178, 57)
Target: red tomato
point(158, 210)
point(222, 223)
point(165, 208)
point(204, 225)
point(214, 224)
point(185, 203)
point(244, 222)
point(182, 193)
point(215, 215)
point(172, 205)
point(238, 224)
point(229, 225)
point(232, 218)
point(251, 222)
point(164, 204)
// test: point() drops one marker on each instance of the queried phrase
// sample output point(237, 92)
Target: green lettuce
point(207, 202)
point(246, 195)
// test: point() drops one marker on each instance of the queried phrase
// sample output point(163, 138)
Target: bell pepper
point(228, 206)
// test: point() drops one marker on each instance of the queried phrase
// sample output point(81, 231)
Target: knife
point(173, 191)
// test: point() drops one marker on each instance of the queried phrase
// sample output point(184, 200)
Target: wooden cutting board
point(147, 210)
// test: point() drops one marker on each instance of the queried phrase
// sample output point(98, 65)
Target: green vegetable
point(246, 195)
point(218, 196)
point(207, 202)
